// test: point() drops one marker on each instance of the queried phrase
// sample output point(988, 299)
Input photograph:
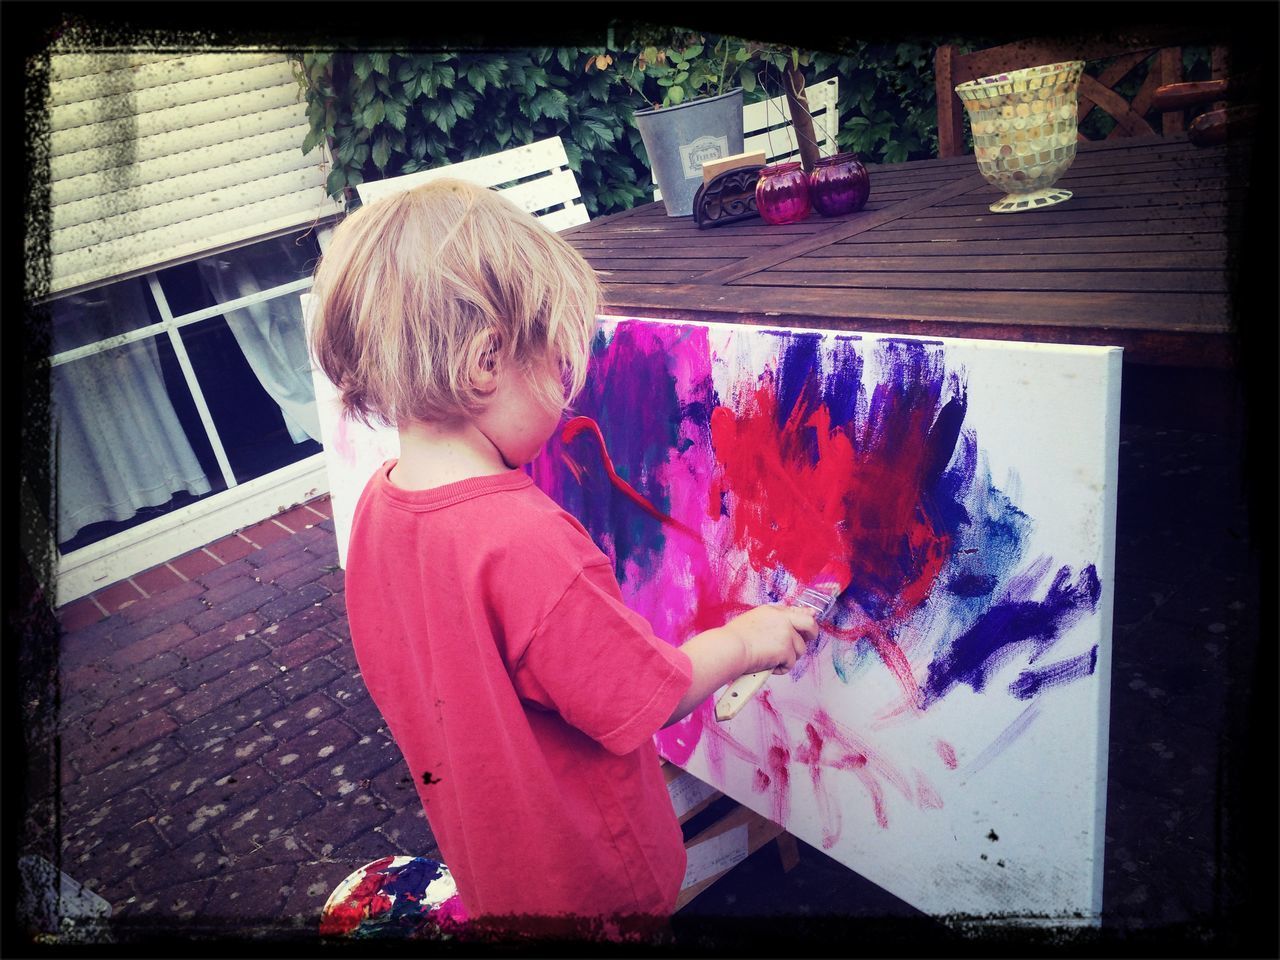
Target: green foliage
point(389, 113)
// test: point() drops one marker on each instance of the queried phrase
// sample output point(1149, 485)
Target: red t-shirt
point(493, 638)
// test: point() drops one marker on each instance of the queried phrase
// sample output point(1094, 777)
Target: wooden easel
point(760, 830)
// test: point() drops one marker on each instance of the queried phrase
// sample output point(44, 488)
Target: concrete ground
point(215, 767)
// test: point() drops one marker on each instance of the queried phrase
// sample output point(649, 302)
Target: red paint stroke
point(580, 425)
point(926, 796)
point(890, 655)
point(856, 756)
point(777, 756)
point(946, 752)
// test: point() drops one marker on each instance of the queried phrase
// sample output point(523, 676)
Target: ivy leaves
point(388, 113)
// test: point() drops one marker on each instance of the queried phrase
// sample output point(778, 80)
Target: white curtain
point(119, 446)
point(270, 333)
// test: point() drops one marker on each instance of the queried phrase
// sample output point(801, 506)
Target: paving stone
point(237, 606)
point(89, 792)
point(163, 667)
point(279, 634)
point(123, 741)
point(369, 846)
point(298, 518)
point(183, 610)
point(159, 643)
point(407, 831)
point(338, 822)
point(261, 851)
point(238, 655)
point(230, 588)
point(293, 685)
point(307, 595)
point(337, 605)
point(89, 677)
point(157, 580)
point(112, 819)
point(326, 742)
point(284, 547)
point(253, 896)
point(320, 543)
point(78, 614)
point(266, 533)
point(231, 571)
point(171, 914)
point(230, 718)
point(306, 648)
point(230, 548)
point(215, 804)
point(205, 644)
point(297, 559)
point(196, 564)
point(118, 596)
point(302, 715)
point(171, 598)
point(88, 640)
point(302, 575)
point(198, 859)
point(226, 689)
point(130, 706)
point(396, 787)
point(352, 773)
point(119, 857)
point(334, 581)
point(278, 816)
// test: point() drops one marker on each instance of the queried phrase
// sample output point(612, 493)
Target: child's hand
point(773, 636)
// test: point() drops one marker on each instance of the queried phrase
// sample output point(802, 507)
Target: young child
point(488, 626)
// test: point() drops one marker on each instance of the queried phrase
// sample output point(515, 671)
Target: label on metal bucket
point(702, 150)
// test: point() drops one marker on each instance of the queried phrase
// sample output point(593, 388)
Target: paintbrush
point(820, 597)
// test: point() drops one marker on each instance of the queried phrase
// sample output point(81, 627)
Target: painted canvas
point(946, 736)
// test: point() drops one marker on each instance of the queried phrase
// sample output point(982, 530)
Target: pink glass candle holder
point(839, 185)
point(782, 193)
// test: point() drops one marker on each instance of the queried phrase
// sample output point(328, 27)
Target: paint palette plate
point(394, 897)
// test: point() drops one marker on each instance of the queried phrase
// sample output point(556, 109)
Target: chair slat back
point(536, 177)
point(1096, 92)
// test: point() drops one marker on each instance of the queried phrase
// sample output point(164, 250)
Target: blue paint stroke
point(1002, 740)
point(1031, 682)
point(1010, 626)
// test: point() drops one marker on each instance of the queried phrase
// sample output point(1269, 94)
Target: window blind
point(156, 158)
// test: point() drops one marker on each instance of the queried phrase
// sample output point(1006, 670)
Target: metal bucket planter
point(680, 139)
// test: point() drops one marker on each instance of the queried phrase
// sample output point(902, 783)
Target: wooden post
point(798, 105)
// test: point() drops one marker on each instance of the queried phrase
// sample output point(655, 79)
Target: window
point(174, 387)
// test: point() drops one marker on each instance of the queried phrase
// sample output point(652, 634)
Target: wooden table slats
point(1139, 257)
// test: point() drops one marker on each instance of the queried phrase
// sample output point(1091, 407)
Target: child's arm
point(768, 637)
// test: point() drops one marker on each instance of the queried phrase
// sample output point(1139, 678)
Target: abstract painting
point(946, 736)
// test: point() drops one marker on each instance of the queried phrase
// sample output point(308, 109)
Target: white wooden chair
point(766, 126)
point(536, 177)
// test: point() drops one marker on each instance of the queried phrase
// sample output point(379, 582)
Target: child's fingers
point(804, 622)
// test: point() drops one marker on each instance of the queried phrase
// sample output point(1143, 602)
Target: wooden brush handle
point(737, 694)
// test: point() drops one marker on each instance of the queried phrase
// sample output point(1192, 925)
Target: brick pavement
point(222, 767)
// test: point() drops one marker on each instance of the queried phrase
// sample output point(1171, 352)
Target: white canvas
point(983, 803)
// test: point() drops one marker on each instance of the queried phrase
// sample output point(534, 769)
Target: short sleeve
point(598, 664)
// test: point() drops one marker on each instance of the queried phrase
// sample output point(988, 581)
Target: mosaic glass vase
point(839, 185)
point(1024, 131)
point(782, 193)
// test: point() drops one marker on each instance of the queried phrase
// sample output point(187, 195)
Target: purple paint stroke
point(1002, 740)
point(1012, 625)
point(1031, 682)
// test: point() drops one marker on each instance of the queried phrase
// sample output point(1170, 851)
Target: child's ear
point(482, 360)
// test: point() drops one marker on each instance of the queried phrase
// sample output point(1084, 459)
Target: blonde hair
point(408, 284)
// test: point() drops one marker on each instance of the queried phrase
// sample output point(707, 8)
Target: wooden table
point(1137, 258)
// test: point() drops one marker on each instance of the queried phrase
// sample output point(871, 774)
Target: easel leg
point(788, 852)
